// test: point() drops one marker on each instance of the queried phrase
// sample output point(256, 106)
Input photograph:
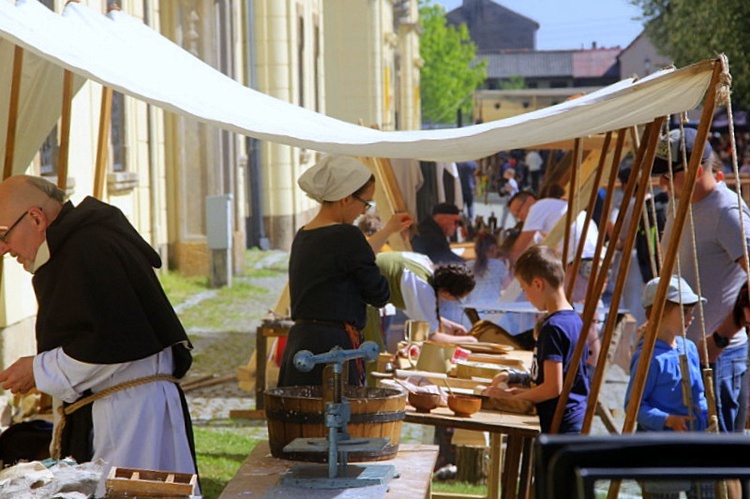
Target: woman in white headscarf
point(332, 270)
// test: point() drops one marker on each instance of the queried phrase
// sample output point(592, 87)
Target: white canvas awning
point(121, 52)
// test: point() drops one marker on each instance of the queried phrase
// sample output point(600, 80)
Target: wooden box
point(131, 482)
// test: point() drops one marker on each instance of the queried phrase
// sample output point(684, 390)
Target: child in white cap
point(663, 407)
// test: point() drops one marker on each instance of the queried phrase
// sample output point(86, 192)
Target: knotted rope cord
point(687, 392)
point(687, 396)
point(63, 412)
point(723, 93)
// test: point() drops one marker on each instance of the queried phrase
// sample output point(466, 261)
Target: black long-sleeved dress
point(332, 277)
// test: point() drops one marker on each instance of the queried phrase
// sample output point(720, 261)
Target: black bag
point(26, 441)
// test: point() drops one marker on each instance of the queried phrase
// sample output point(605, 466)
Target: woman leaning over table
point(332, 270)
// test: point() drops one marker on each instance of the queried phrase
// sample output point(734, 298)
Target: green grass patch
point(232, 308)
point(220, 453)
point(227, 311)
point(454, 487)
point(179, 288)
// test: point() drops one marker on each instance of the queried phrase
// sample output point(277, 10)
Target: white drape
point(121, 52)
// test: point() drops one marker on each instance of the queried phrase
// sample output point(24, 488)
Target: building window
point(316, 65)
point(301, 61)
point(117, 133)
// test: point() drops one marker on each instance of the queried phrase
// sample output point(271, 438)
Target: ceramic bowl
point(424, 401)
point(464, 405)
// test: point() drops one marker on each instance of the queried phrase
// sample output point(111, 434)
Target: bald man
point(103, 322)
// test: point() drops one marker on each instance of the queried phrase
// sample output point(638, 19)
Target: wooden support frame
point(64, 150)
point(102, 145)
point(15, 92)
point(572, 198)
point(646, 158)
point(388, 196)
point(670, 255)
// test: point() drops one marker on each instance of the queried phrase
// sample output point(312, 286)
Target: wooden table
point(259, 476)
point(515, 469)
point(464, 250)
point(265, 331)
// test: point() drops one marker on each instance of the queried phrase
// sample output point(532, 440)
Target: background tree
point(514, 82)
point(449, 75)
point(689, 31)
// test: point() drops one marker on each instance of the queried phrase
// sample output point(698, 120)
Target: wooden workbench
point(510, 475)
point(259, 476)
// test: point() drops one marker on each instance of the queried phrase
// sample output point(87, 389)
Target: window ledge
point(122, 182)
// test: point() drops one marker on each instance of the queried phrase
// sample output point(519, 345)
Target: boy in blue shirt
point(662, 406)
point(540, 273)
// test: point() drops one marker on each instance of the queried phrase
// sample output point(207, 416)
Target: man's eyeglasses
point(368, 205)
point(4, 237)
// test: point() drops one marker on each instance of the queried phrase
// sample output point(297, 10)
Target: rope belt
point(63, 412)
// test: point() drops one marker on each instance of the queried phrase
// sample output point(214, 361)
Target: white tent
point(121, 52)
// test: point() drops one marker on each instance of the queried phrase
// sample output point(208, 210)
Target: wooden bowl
point(424, 401)
point(464, 405)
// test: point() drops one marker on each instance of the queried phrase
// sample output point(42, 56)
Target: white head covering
point(333, 178)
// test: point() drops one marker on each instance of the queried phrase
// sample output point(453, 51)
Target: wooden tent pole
point(100, 168)
point(588, 312)
point(657, 310)
point(627, 248)
point(607, 206)
point(595, 265)
point(589, 216)
point(63, 152)
point(15, 91)
point(569, 216)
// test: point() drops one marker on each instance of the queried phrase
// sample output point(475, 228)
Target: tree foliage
point(515, 82)
point(689, 31)
point(449, 75)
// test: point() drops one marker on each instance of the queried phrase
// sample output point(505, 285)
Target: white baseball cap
point(679, 291)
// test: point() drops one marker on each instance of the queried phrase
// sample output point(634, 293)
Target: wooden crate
point(132, 482)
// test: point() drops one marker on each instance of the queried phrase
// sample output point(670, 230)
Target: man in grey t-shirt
point(720, 256)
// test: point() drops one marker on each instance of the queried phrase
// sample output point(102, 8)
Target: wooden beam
point(100, 168)
point(15, 92)
point(63, 151)
point(389, 198)
point(572, 199)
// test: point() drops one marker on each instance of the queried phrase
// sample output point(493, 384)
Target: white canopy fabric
point(121, 52)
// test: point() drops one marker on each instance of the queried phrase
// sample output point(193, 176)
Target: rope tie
point(64, 412)
point(724, 85)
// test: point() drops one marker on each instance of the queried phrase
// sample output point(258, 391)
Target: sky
point(574, 24)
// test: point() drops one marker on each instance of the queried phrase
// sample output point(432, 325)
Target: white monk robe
point(140, 427)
